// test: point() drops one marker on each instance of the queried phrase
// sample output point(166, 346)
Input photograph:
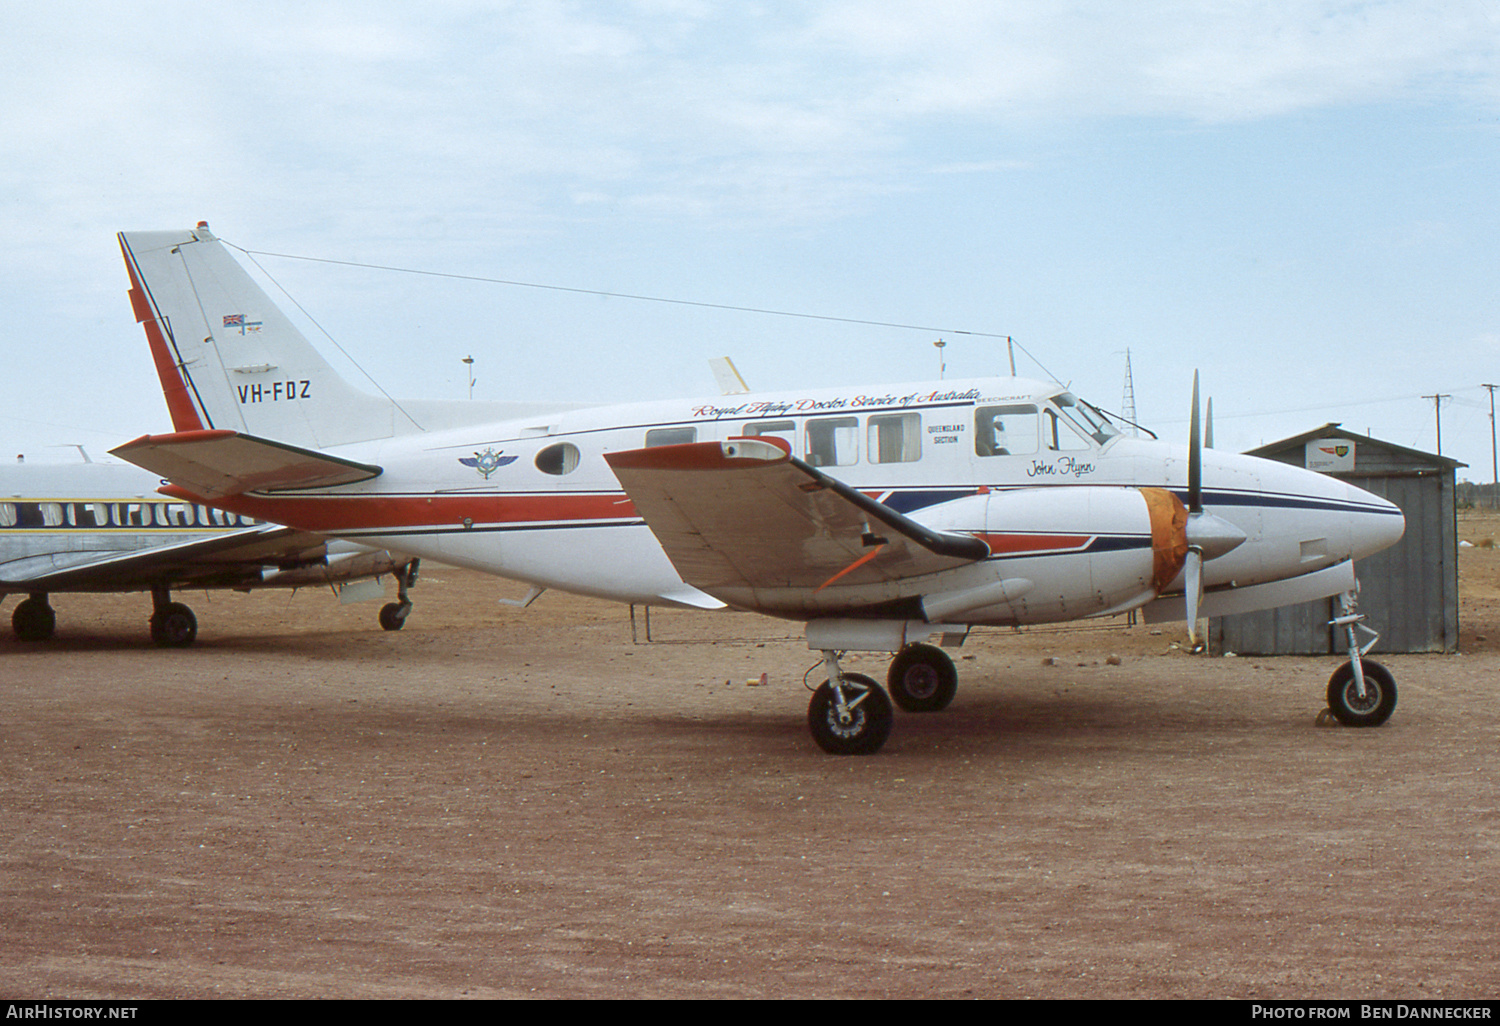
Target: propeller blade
point(1192, 577)
point(1208, 424)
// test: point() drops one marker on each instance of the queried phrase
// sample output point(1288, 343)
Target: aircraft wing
point(746, 522)
point(213, 464)
point(225, 560)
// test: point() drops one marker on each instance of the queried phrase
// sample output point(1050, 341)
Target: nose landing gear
point(1361, 692)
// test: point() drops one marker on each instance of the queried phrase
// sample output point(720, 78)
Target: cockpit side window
point(1059, 434)
point(1005, 430)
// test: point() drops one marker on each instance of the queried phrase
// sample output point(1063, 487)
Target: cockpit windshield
point(1088, 420)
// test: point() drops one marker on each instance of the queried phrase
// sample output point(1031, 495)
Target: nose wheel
point(1366, 702)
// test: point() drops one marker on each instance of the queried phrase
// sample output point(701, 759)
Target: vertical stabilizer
point(228, 358)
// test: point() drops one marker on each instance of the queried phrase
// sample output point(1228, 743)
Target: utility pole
point(1494, 463)
point(1437, 405)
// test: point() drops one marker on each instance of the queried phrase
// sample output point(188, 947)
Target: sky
point(1299, 199)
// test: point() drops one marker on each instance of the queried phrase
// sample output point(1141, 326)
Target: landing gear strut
point(173, 624)
point(1361, 692)
point(849, 713)
point(393, 614)
point(33, 619)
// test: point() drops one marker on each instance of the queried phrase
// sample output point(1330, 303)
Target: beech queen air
point(883, 517)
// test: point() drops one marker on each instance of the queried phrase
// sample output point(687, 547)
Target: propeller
point(1208, 536)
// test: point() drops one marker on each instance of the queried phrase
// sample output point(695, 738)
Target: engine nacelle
point(1059, 553)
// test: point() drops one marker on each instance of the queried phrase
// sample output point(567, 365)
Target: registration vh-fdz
point(884, 518)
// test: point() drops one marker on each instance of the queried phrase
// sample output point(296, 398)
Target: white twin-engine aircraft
point(882, 517)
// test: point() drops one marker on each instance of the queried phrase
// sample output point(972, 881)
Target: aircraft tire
point(1372, 710)
point(33, 620)
point(174, 626)
point(393, 616)
point(869, 727)
point(922, 679)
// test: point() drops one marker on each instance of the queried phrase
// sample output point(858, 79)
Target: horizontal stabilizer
point(213, 464)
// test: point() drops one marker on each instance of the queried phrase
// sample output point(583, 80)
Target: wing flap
point(214, 464)
point(743, 517)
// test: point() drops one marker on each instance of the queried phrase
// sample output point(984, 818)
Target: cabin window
point(7, 514)
point(833, 441)
point(895, 438)
point(786, 430)
point(1005, 430)
point(52, 514)
point(671, 436)
point(558, 459)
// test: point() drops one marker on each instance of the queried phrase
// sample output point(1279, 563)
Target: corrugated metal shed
point(1409, 592)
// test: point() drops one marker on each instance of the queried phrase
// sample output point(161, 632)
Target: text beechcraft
point(882, 517)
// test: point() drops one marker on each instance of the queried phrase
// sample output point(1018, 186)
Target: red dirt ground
point(498, 803)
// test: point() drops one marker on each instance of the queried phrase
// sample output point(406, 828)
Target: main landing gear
point(33, 619)
point(850, 714)
point(173, 624)
point(1361, 692)
point(393, 614)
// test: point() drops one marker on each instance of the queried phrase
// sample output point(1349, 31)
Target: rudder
point(227, 357)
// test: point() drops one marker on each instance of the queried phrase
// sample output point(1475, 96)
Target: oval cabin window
point(561, 458)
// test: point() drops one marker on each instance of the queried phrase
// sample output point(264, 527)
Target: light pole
point(940, 345)
point(470, 361)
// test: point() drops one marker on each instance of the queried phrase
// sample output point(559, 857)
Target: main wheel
point(393, 616)
point(33, 620)
point(869, 722)
point(922, 679)
point(1374, 708)
point(174, 626)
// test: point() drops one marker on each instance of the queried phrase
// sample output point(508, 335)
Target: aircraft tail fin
point(229, 359)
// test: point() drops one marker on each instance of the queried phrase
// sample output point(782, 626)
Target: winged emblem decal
point(487, 462)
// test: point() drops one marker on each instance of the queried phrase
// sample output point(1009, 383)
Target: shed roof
point(1332, 430)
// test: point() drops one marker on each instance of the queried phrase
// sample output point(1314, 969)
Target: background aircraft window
point(174, 514)
point(561, 458)
point(1005, 430)
point(833, 441)
point(895, 438)
point(671, 436)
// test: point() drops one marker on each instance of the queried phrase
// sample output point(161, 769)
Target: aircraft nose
point(1380, 527)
